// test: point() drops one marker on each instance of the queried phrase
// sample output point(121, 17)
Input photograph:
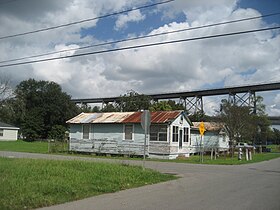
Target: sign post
point(201, 131)
point(145, 123)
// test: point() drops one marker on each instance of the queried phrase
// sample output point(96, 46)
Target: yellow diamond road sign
point(201, 128)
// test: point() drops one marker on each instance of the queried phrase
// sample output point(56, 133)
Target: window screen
point(128, 130)
point(186, 134)
point(85, 131)
point(175, 134)
point(158, 133)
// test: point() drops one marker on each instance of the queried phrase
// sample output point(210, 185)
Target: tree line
point(40, 109)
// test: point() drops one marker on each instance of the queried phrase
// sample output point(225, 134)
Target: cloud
point(185, 66)
point(133, 16)
point(200, 10)
point(274, 109)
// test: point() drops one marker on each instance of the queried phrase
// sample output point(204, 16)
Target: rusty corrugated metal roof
point(156, 117)
point(112, 117)
point(108, 117)
point(135, 117)
point(79, 118)
point(164, 116)
point(124, 117)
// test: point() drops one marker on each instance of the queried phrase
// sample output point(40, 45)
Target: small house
point(121, 133)
point(215, 137)
point(8, 132)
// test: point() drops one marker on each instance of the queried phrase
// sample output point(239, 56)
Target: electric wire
point(142, 37)
point(143, 46)
point(85, 20)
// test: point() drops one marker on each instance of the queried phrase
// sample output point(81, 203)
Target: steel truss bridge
point(193, 100)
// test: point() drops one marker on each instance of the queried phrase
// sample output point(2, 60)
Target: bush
point(57, 133)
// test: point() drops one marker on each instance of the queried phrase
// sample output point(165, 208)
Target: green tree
point(39, 105)
point(166, 106)
point(32, 125)
point(87, 109)
point(237, 119)
point(57, 132)
point(276, 136)
point(6, 111)
point(200, 116)
point(110, 108)
point(244, 125)
point(261, 128)
point(175, 106)
point(6, 93)
point(133, 101)
point(95, 109)
point(160, 106)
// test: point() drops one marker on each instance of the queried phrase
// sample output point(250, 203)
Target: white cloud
point(166, 68)
point(133, 16)
point(274, 110)
point(200, 10)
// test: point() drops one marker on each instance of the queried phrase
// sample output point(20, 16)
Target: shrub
point(57, 133)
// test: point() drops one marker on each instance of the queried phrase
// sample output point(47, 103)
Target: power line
point(142, 37)
point(85, 20)
point(144, 46)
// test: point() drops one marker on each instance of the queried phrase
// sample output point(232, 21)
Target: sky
point(203, 64)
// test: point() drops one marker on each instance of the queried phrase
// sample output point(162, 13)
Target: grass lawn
point(228, 160)
point(274, 148)
point(23, 146)
point(28, 184)
point(42, 147)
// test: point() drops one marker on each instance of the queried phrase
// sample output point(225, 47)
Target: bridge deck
point(199, 93)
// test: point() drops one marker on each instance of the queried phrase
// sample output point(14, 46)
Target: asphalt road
point(254, 186)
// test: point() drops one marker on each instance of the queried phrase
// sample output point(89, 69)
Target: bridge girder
point(244, 99)
point(193, 100)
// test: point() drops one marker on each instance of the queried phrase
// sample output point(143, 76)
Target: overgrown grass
point(22, 146)
point(228, 160)
point(59, 148)
point(27, 184)
point(274, 148)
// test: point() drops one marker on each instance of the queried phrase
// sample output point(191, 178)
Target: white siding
point(174, 149)
point(209, 140)
point(109, 138)
point(9, 135)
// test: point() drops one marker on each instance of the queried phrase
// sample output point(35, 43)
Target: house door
point(180, 139)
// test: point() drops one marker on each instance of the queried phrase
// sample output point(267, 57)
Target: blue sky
point(228, 61)
point(104, 29)
point(265, 7)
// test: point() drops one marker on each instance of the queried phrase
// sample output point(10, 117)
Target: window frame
point(83, 131)
point(175, 128)
point(158, 132)
point(1, 132)
point(124, 132)
point(186, 135)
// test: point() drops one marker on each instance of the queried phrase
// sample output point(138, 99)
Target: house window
point(186, 134)
point(86, 131)
point(128, 132)
point(1, 132)
point(158, 133)
point(175, 134)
